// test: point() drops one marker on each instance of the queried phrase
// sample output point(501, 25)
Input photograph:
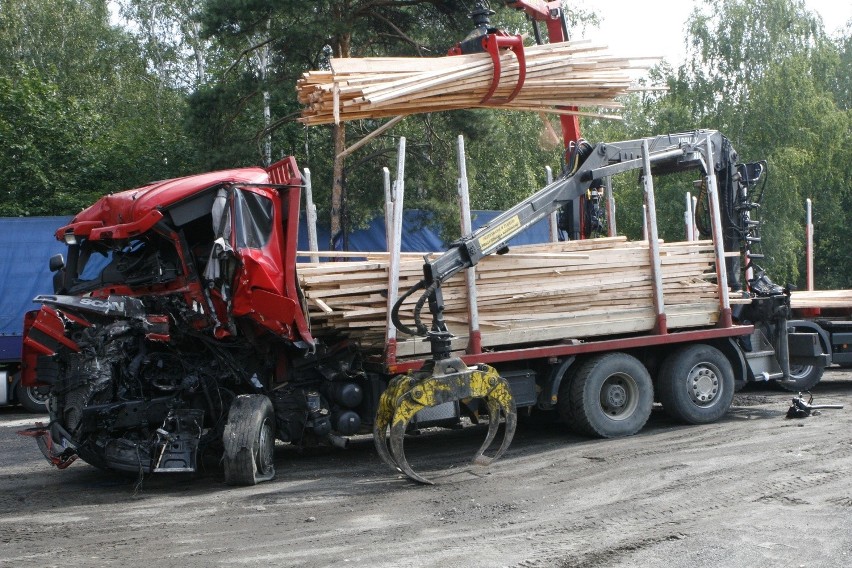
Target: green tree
point(90, 79)
point(169, 34)
point(46, 141)
point(302, 36)
point(764, 73)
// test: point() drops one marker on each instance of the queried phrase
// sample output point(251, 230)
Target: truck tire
point(696, 384)
point(802, 378)
point(609, 396)
point(32, 398)
point(249, 441)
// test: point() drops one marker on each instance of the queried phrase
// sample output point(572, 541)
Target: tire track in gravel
point(683, 512)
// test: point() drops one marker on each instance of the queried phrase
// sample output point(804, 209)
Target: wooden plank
point(594, 287)
point(566, 74)
point(815, 299)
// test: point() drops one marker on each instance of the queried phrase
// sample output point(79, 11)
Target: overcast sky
point(631, 27)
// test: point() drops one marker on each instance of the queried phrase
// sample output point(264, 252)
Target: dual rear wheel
point(696, 384)
point(608, 396)
point(612, 395)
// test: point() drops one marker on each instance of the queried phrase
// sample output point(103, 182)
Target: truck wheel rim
point(703, 384)
point(36, 395)
point(619, 396)
point(800, 371)
point(265, 449)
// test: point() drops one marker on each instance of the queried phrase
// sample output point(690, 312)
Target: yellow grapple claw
point(407, 395)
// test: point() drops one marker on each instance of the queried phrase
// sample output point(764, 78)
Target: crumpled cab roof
point(130, 212)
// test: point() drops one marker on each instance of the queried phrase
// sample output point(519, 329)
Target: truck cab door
point(259, 243)
point(252, 268)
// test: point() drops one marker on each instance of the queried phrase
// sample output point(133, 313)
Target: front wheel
point(696, 384)
point(249, 441)
point(609, 396)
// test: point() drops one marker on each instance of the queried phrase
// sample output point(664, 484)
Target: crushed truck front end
point(176, 301)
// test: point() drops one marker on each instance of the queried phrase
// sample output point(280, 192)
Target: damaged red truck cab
point(252, 232)
point(175, 299)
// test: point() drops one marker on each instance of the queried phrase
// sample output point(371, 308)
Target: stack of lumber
point(560, 74)
point(533, 294)
point(812, 299)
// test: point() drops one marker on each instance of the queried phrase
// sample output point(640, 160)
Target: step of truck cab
point(762, 360)
point(764, 365)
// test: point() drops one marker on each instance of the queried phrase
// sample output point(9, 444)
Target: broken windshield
point(142, 261)
point(253, 219)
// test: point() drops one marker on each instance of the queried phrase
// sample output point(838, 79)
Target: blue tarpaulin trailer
point(26, 245)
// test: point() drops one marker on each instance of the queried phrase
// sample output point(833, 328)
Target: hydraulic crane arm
point(667, 153)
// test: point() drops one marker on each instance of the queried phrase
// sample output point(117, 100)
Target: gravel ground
point(754, 489)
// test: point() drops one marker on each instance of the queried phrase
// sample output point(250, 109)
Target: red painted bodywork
point(265, 286)
point(264, 289)
point(48, 322)
point(131, 212)
point(600, 346)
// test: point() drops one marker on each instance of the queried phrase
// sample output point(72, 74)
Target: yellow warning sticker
point(499, 233)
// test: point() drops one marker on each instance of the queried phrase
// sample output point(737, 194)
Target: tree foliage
point(82, 115)
point(90, 104)
point(764, 73)
point(45, 139)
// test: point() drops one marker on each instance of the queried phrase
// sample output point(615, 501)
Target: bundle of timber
point(813, 299)
point(578, 73)
point(534, 294)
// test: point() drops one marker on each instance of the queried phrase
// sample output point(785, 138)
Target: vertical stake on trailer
point(653, 242)
point(474, 344)
point(809, 227)
point(396, 248)
point(553, 219)
point(694, 213)
point(718, 244)
point(687, 218)
point(311, 215)
point(644, 222)
point(388, 207)
point(610, 207)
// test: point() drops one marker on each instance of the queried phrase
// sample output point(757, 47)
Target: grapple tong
point(438, 383)
point(442, 379)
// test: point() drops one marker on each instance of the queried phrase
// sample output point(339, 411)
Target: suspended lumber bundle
point(533, 294)
point(578, 73)
point(813, 299)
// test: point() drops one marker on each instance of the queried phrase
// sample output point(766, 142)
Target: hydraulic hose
point(421, 329)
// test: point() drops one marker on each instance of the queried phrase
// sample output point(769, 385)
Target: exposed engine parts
point(136, 404)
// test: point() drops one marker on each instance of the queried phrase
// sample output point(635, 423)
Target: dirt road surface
point(755, 489)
